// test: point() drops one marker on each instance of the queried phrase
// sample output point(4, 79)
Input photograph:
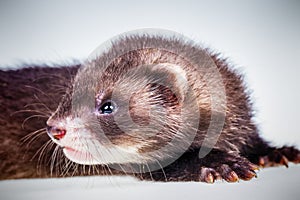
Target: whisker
point(75, 169)
point(53, 159)
point(41, 152)
point(39, 104)
point(29, 135)
point(149, 171)
point(163, 171)
point(40, 91)
point(29, 140)
point(67, 167)
point(61, 161)
point(30, 117)
point(30, 111)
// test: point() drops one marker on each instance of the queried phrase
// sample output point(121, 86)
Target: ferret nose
point(55, 132)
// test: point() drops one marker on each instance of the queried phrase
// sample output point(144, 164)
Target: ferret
point(157, 107)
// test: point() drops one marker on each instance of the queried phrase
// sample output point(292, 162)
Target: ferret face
point(127, 113)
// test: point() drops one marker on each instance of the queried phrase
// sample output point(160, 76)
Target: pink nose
point(55, 132)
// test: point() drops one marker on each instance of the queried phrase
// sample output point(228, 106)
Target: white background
point(260, 37)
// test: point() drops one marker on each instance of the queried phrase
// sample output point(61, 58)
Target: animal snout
point(56, 132)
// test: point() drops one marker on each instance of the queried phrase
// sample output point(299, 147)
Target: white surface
point(261, 37)
point(272, 183)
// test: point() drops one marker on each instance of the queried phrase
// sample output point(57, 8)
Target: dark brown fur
point(23, 92)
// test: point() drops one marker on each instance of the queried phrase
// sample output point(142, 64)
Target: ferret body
point(159, 108)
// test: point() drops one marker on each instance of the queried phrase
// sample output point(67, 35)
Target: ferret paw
point(229, 172)
point(280, 156)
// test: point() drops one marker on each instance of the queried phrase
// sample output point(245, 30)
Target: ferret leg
point(219, 165)
point(279, 156)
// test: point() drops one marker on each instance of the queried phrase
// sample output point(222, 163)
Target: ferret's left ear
point(175, 78)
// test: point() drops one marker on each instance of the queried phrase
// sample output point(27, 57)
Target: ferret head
point(135, 103)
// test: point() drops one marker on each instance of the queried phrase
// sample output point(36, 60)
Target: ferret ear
point(174, 77)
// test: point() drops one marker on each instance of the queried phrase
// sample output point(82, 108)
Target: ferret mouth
point(78, 156)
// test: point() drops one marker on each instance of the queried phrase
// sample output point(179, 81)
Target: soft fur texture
point(238, 151)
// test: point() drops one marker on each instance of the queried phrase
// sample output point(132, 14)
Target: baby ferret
point(162, 108)
point(159, 108)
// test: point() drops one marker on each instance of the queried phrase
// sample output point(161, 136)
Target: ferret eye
point(108, 107)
